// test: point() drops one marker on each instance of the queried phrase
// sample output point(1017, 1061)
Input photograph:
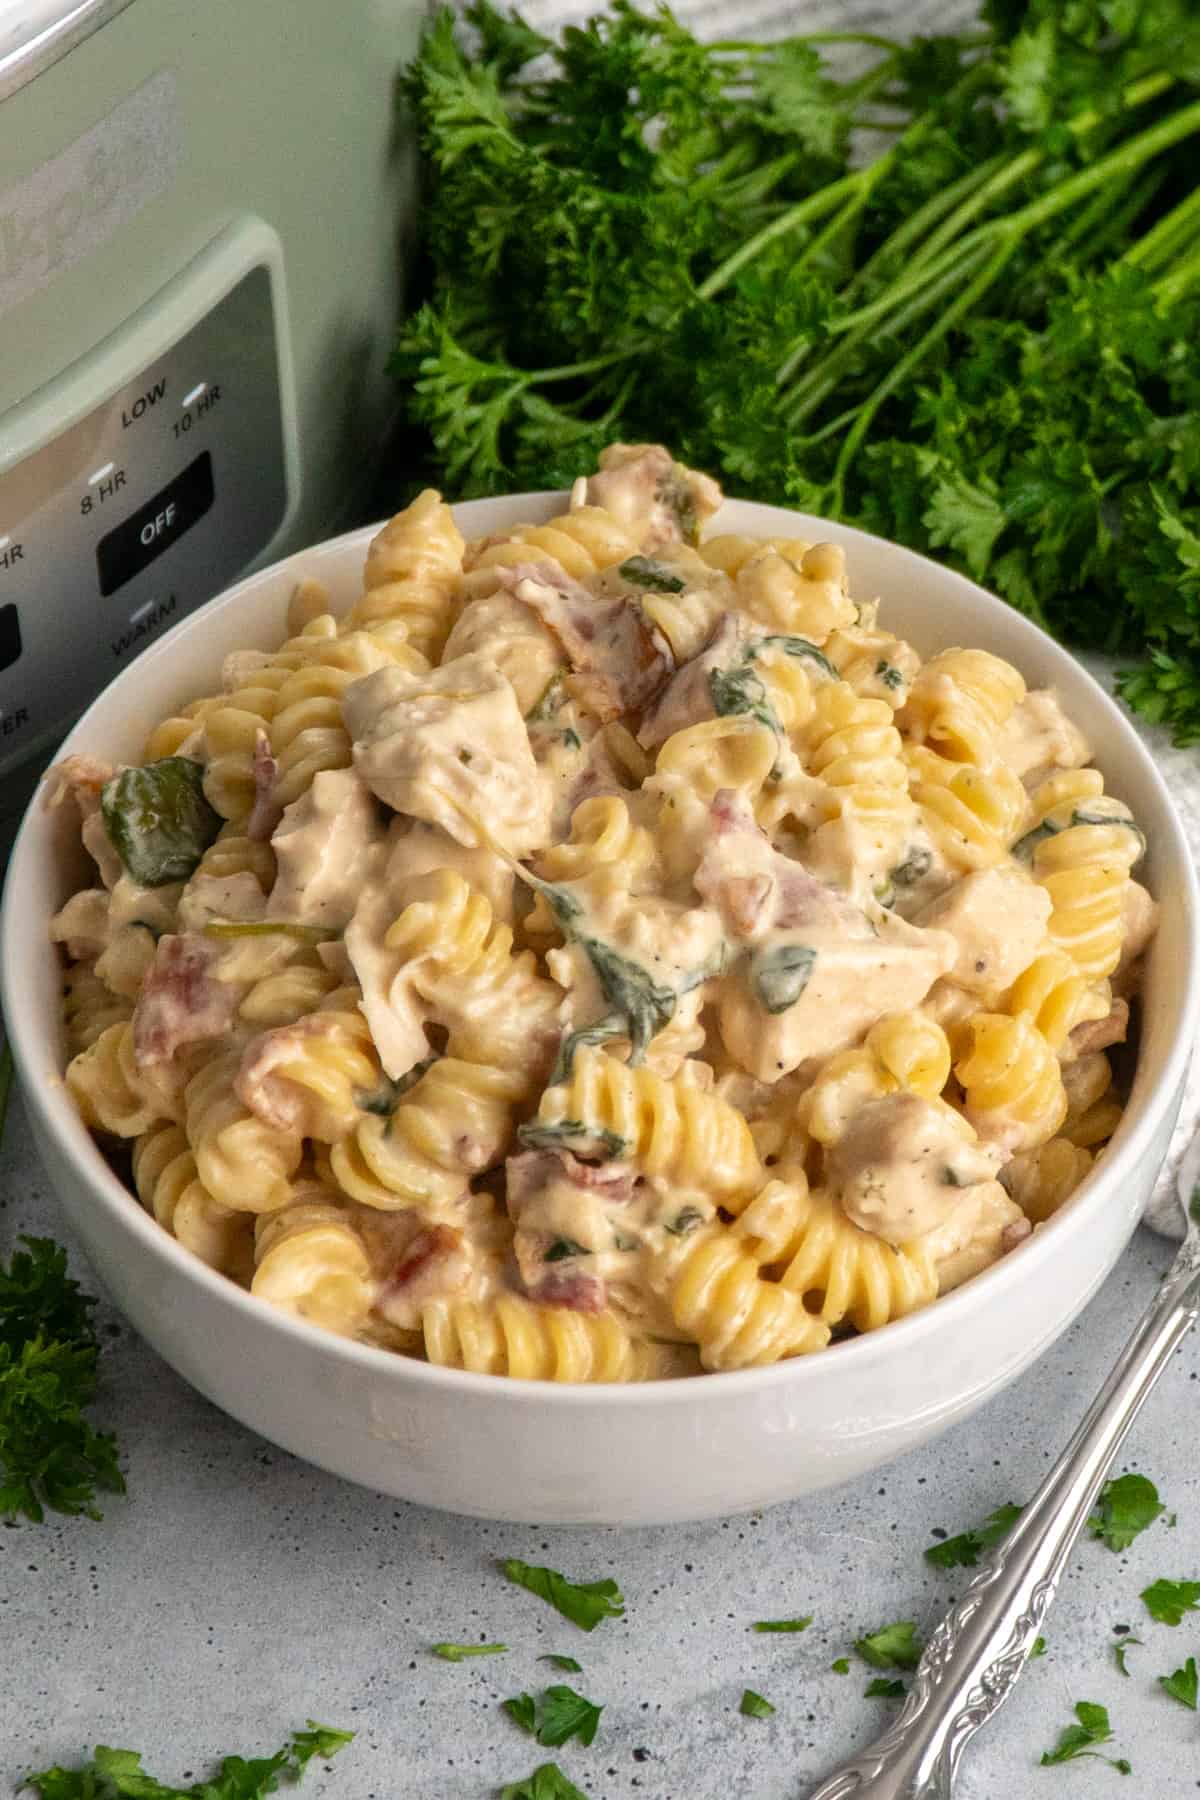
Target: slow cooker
point(202, 215)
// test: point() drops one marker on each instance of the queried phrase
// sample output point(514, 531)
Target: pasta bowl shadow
point(662, 1451)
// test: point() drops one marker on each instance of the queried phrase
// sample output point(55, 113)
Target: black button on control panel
point(154, 527)
point(10, 636)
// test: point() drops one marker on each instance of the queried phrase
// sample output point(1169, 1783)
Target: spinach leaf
point(779, 976)
point(565, 1133)
point(740, 690)
point(915, 867)
point(802, 648)
point(158, 819)
point(652, 577)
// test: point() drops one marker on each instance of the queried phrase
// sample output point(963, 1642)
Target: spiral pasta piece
point(245, 1165)
point(1057, 996)
point(737, 1318)
point(971, 814)
point(602, 836)
point(462, 963)
point(730, 752)
point(287, 994)
point(581, 542)
point(89, 1006)
point(678, 1134)
point(233, 853)
point(313, 1076)
point(1043, 1180)
point(167, 1183)
point(455, 1123)
point(839, 1271)
point(513, 1336)
point(312, 1263)
point(110, 1090)
point(785, 584)
point(1083, 847)
point(1011, 1082)
point(410, 581)
point(959, 701)
point(901, 1051)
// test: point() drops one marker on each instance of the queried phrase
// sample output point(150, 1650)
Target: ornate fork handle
point(973, 1659)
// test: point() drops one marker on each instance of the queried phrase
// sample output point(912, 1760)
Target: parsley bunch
point(979, 341)
point(50, 1455)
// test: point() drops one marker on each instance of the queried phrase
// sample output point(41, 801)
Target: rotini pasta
point(959, 701)
point(601, 955)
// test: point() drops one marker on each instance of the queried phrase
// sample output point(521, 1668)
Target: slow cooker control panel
point(114, 528)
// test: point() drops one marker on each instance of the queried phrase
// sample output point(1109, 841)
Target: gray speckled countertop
point(235, 1591)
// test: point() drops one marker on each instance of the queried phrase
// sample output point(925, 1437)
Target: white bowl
point(664, 1451)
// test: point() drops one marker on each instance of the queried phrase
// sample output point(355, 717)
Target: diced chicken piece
point(976, 1234)
point(327, 846)
point(389, 1002)
point(844, 986)
point(450, 747)
point(230, 897)
point(1038, 738)
point(651, 494)
point(1098, 1034)
point(81, 779)
point(997, 918)
point(181, 1001)
point(900, 1169)
point(511, 636)
point(266, 811)
point(687, 698)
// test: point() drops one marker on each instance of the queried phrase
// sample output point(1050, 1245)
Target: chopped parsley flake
point(753, 1706)
point(1125, 1508)
point(1167, 1601)
point(1182, 1685)
point(558, 1716)
point(801, 1624)
point(1079, 1740)
point(883, 1689)
point(584, 1603)
point(965, 1550)
point(892, 1647)
point(460, 1652)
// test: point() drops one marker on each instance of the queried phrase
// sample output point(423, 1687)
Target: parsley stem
point(900, 371)
point(978, 202)
point(822, 378)
point(1183, 276)
point(738, 46)
point(814, 207)
point(1163, 239)
point(1127, 156)
point(917, 224)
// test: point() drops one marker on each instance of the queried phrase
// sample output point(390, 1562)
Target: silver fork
point(974, 1657)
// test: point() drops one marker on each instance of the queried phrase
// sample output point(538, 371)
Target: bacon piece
point(180, 1002)
point(1098, 1034)
point(687, 697)
point(617, 662)
point(266, 811)
point(755, 886)
point(572, 1289)
point(426, 1247)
